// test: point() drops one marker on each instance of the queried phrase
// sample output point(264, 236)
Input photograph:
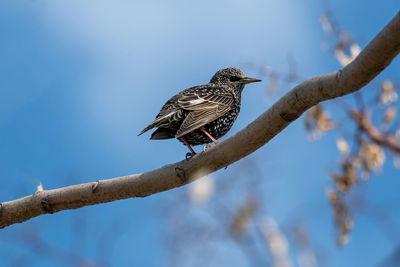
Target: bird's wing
point(203, 107)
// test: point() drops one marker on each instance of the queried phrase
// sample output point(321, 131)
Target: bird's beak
point(246, 80)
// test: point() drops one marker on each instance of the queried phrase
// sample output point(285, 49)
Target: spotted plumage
point(211, 108)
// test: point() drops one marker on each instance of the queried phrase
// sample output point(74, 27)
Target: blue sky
point(80, 79)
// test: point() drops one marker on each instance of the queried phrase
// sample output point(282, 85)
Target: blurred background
point(80, 79)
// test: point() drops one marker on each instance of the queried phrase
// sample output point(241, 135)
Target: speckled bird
point(202, 114)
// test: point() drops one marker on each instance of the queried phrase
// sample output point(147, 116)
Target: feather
point(204, 108)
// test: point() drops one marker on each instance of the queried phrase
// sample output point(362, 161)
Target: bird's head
point(232, 77)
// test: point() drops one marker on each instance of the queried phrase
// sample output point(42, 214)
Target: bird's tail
point(162, 133)
point(151, 126)
point(158, 122)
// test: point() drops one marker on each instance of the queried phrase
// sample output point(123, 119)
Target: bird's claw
point(205, 147)
point(189, 155)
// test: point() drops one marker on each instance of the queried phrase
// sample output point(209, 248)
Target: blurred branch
point(46, 250)
point(389, 141)
point(369, 63)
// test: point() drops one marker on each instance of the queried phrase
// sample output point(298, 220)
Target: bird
point(201, 114)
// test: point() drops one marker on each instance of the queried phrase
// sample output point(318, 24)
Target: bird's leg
point(189, 154)
point(209, 135)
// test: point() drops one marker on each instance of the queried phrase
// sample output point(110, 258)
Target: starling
point(204, 113)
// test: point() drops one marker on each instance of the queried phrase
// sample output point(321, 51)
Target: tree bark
point(376, 56)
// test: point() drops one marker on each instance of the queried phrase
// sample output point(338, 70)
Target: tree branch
point(372, 60)
point(378, 137)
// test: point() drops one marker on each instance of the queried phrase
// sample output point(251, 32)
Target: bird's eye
point(234, 79)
